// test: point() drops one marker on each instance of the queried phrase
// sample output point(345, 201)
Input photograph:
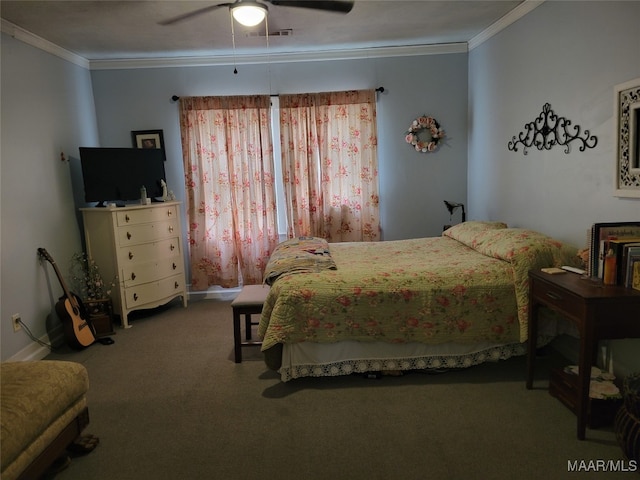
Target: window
point(325, 185)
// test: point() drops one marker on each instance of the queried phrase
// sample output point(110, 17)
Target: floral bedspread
point(467, 286)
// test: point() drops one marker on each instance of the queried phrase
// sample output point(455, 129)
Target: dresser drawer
point(162, 249)
point(146, 215)
point(558, 298)
point(146, 272)
point(150, 293)
point(146, 232)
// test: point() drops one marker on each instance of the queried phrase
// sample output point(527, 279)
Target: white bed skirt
point(345, 358)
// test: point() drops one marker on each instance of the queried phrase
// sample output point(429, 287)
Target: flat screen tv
point(118, 174)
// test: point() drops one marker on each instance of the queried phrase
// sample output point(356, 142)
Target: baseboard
point(36, 351)
point(215, 293)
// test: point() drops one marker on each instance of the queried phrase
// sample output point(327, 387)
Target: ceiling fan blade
point(327, 5)
point(194, 13)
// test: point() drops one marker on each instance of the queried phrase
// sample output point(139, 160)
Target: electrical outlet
point(15, 321)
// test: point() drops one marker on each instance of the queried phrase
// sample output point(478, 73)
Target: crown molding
point(287, 57)
point(35, 41)
point(514, 15)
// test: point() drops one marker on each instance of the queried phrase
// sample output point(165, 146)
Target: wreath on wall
point(420, 125)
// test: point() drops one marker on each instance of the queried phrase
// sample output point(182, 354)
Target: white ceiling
point(109, 30)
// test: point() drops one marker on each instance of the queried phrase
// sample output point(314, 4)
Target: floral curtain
point(231, 210)
point(330, 165)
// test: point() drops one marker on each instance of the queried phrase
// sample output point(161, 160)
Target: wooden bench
point(248, 302)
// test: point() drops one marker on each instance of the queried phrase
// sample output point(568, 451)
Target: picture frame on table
point(627, 135)
point(599, 234)
point(148, 139)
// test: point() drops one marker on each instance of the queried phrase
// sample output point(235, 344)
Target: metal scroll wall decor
point(547, 130)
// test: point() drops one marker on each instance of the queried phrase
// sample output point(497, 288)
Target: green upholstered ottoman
point(43, 410)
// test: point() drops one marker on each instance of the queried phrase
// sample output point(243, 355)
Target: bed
point(428, 303)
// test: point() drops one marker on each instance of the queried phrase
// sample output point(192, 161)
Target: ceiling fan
point(250, 13)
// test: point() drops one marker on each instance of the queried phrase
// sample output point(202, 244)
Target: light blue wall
point(571, 55)
point(412, 185)
point(47, 108)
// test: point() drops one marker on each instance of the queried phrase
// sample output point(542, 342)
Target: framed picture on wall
point(627, 135)
point(147, 139)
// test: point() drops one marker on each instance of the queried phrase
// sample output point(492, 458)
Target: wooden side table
point(598, 311)
point(101, 316)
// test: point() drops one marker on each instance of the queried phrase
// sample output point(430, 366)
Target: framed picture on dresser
point(148, 139)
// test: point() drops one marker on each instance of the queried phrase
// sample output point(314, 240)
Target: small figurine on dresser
point(163, 184)
point(167, 196)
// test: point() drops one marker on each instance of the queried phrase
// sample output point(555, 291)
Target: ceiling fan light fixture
point(249, 14)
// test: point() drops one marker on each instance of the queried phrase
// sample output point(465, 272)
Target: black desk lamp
point(452, 207)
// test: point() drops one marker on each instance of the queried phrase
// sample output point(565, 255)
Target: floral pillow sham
point(525, 250)
point(511, 243)
point(466, 232)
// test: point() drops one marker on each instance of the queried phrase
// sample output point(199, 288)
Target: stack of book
point(615, 253)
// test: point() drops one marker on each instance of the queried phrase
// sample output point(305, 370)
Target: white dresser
point(140, 248)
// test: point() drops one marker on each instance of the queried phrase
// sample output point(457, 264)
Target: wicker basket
point(631, 392)
point(627, 421)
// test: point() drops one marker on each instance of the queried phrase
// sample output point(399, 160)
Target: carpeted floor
point(168, 402)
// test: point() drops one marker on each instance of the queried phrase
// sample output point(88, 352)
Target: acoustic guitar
point(78, 331)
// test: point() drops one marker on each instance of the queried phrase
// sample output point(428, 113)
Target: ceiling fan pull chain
point(233, 42)
point(266, 31)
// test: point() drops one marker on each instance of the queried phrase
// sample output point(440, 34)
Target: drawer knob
point(126, 218)
point(135, 297)
point(554, 296)
point(130, 255)
point(172, 247)
point(176, 285)
point(174, 265)
point(171, 229)
point(128, 236)
point(169, 213)
point(133, 276)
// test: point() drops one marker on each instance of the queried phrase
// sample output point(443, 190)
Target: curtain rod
point(175, 98)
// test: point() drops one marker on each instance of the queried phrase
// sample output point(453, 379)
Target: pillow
point(518, 243)
point(525, 250)
point(466, 232)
